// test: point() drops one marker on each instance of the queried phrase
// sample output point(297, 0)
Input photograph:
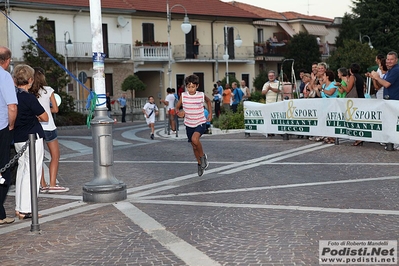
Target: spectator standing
point(302, 85)
point(8, 113)
point(226, 97)
point(122, 103)
point(30, 112)
point(217, 97)
point(108, 104)
point(45, 96)
point(237, 97)
point(169, 102)
point(271, 88)
point(196, 48)
point(245, 90)
point(382, 67)
point(391, 80)
point(343, 76)
point(194, 119)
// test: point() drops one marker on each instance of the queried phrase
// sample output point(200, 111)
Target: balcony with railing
point(183, 52)
point(120, 51)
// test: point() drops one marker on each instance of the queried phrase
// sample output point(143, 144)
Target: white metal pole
point(226, 53)
point(104, 187)
point(217, 62)
point(169, 47)
point(66, 59)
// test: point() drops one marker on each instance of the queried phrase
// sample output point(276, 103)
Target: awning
point(317, 30)
point(287, 28)
point(264, 23)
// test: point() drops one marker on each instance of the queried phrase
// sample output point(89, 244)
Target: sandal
point(24, 216)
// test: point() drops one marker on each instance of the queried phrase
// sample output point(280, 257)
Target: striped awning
point(287, 28)
point(264, 23)
point(317, 30)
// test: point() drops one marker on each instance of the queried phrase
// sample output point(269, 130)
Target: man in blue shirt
point(237, 96)
point(8, 114)
point(391, 80)
point(122, 103)
point(220, 87)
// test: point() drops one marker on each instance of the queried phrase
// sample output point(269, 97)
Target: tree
point(303, 48)
point(352, 51)
point(35, 57)
point(133, 83)
point(374, 19)
point(231, 80)
point(260, 80)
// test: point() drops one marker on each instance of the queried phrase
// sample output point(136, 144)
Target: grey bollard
point(104, 187)
point(286, 137)
point(35, 226)
point(389, 147)
point(336, 142)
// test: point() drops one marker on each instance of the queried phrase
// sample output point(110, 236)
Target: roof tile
point(200, 7)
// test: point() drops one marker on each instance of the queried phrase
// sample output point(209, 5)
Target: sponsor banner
point(358, 252)
point(359, 119)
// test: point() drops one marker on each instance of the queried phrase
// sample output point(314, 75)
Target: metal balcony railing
point(84, 49)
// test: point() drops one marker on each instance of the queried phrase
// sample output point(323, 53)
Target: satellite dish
point(121, 21)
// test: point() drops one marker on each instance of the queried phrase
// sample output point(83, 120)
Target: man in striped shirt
point(194, 118)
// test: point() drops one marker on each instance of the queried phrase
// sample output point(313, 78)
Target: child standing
point(194, 119)
point(216, 98)
point(150, 110)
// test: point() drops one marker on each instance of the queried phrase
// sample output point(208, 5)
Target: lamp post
point(68, 46)
point(368, 37)
point(217, 60)
point(185, 27)
point(237, 42)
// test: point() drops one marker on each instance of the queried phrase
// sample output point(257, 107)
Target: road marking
point(183, 250)
point(271, 187)
point(76, 146)
point(266, 206)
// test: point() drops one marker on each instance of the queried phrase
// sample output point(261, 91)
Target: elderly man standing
point(8, 113)
point(271, 88)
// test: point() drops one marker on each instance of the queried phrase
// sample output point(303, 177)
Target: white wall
point(77, 24)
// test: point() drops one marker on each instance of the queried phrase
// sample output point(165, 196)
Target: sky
point(323, 8)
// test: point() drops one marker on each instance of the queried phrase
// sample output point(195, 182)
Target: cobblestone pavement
point(262, 201)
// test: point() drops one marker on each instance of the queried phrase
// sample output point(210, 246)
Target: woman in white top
point(45, 96)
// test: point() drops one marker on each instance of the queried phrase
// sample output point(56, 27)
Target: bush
point(257, 96)
point(70, 119)
point(67, 103)
point(230, 120)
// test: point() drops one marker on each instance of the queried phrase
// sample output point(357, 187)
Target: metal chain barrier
point(13, 160)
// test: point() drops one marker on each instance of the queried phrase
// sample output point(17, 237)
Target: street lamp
point(368, 37)
point(185, 27)
point(217, 60)
point(237, 42)
point(68, 46)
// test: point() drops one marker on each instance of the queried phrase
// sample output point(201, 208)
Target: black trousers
point(123, 114)
point(5, 141)
point(217, 108)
